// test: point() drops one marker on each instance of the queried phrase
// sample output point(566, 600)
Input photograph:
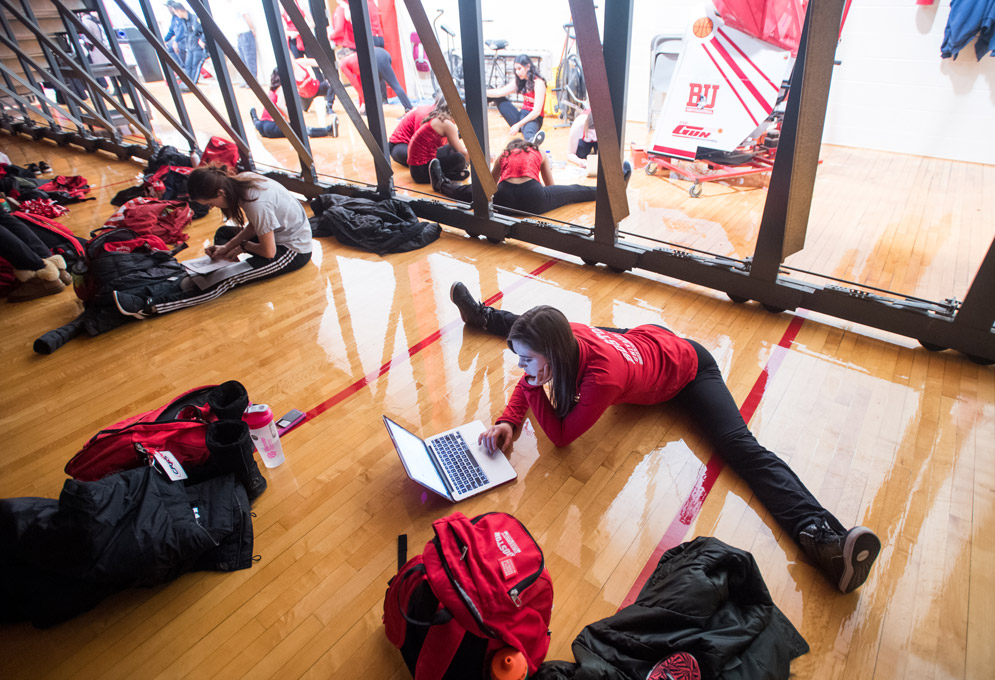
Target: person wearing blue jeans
point(532, 87)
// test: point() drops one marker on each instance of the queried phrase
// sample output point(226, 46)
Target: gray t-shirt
point(274, 209)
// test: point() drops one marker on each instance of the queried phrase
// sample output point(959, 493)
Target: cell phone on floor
point(289, 421)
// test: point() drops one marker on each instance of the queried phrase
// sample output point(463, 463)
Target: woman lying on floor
point(524, 181)
point(265, 125)
point(589, 369)
point(271, 227)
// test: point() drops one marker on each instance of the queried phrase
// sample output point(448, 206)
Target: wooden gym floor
point(885, 433)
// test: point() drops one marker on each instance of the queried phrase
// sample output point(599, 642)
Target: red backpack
point(481, 584)
point(178, 426)
point(221, 151)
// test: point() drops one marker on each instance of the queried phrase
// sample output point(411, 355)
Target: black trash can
point(145, 56)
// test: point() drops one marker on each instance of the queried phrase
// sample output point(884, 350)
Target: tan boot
point(35, 288)
point(60, 264)
point(51, 270)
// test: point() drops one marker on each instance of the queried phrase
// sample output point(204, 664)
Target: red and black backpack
point(178, 426)
point(480, 585)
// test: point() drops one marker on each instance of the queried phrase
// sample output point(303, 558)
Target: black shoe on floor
point(44, 167)
point(473, 313)
point(132, 305)
point(845, 559)
point(626, 172)
point(435, 175)
point(253, 115)
point(538, 138)
point(33, 169)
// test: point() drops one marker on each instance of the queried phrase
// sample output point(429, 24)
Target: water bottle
point(549, 157)
point(509, 664)
point(262, 429)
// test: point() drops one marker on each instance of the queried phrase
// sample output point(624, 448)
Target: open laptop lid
point(416, 459)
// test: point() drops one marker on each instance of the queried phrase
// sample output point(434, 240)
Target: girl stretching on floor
point(589, 369)
point(270, 225)
point(524, 182)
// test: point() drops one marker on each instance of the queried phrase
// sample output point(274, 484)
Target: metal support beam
point(617, 34)
point(599, 94)
point(789, 196)
point(478, 162)
point(295, 131)
point(472, 37)
point(370, 82)
point(216, 42)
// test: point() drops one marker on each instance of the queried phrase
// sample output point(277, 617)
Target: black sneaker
point(845, 559)
point(253, 115)
point(44, 167)
point(626, 172)
point(538, 138)
point(33, 169)
point(132, 305)
point(435, 175)
point(472, 312)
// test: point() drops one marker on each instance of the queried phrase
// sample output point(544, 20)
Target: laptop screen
point(414, 455)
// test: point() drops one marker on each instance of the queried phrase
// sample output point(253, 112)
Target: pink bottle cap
point(257, 415)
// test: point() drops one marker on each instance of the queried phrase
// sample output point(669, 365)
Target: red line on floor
point(350, 390)
point(691, 507)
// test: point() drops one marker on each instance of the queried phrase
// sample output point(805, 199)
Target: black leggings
point(399, 152)
point(452, 161)
point(20, 246)
point(708, 402)
point(284, 262)
point(531, 196)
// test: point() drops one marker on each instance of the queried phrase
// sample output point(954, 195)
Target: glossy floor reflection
point(884, 433)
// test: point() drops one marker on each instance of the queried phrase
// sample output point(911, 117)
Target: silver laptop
point(451, 464)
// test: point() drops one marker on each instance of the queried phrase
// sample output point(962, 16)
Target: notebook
point(451, 464)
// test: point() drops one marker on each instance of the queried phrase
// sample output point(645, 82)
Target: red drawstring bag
point(221, 151)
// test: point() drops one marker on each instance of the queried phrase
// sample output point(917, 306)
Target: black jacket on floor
point(379, 226)
point(706, 598)
point(59, 558)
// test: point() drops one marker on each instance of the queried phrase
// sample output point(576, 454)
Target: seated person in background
point(406, 127)
point(532, 87)
point(264, 124)
point(583, 140)
point(524, 182)
point(270, 225)
point(437, 139)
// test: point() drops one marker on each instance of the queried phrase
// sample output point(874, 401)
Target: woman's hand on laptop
point(497, 437)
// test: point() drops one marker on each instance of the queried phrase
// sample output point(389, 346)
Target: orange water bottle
point(509, 664)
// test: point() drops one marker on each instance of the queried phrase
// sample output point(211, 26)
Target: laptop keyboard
point(455, 458)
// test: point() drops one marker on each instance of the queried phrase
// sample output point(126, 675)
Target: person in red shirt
point(524, 181)
point(532, 87)
point(588, 369)
point(406, 128)
point(437, 140)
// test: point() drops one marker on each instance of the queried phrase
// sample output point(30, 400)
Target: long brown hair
point(546, 331)
point(208, 181)
point(517, 145)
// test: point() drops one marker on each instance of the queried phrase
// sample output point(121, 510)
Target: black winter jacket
point(135, 528)
point(706, 598)
point(379, 226)
point(147, 273)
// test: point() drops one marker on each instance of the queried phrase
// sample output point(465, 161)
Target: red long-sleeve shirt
point(647, 365)
point(340, 32)
point(409, 123)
